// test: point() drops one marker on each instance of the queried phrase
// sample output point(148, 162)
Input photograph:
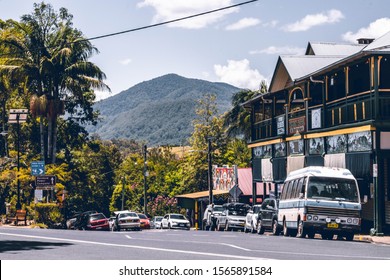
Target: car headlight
point(309, 217)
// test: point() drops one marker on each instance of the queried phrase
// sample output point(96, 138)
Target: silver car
point(126, 220)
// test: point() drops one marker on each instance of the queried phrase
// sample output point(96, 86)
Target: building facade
point(329, 107)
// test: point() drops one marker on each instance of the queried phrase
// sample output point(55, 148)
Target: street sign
point(45, 180)
point(37, 168)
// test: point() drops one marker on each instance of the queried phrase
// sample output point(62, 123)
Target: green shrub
point(48, 214)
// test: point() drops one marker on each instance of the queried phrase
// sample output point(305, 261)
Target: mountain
point(159, 111)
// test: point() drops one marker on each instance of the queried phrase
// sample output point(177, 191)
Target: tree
point(51, 59)
point(237, 120)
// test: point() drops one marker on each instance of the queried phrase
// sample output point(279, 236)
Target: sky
point(239, 46)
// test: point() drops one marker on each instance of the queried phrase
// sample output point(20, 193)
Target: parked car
point(251, 219)
point(233, 216)
point(144, 220)
point(156, 222)
point(126, 220)
point(96, 221)
point(268, 217)
point(210, 215)
point(82, 219)
point(173, 221)
point(71, 222)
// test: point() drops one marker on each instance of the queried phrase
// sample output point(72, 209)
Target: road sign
point(37, 168)
point(45, 180)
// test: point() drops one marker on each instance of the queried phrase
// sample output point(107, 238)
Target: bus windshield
point(332, 189)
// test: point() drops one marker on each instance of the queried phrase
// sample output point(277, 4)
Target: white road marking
point(135, 247)
point(128, 236)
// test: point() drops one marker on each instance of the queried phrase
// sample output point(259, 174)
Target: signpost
point(37, 168)
point(45, 182)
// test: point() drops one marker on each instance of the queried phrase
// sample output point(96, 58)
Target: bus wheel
point(286, 231)
point(301, 232)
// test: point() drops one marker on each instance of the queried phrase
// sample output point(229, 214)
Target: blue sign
point(37, 168)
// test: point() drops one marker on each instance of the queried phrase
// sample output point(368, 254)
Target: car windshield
point(158, 219)
point(332, 189)
point(123, 215)
point(142, 216)
point(218, 208)
point(97, 217)
point(178, 217)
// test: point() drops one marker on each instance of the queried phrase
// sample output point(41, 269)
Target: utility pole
point(145, 175)
point(123, 192)
point(210, 173)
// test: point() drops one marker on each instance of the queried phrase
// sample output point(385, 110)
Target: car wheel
point(301, 232)
point(226, 227)
point(260, 228)
point(275, 227)
point(169, 226)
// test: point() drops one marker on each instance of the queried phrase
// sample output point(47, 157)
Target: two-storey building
point(329, 107)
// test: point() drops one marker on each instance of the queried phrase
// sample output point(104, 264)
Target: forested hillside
point(159, 111)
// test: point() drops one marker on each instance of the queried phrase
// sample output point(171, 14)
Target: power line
point(157, 24)
point(170, 21)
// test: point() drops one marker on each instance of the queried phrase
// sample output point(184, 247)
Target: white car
point(251, 219)
point(126, 220)
point(173, 221)
point(156, 221)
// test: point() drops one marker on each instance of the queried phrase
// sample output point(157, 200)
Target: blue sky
point(239, 46)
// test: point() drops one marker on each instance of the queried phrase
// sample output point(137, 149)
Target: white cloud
point(309, 21)
point(243, 23)
point(174, 9)
point(239, 74)
point(375, 30)
point(100, 95)
point(280, 50)
point(126, 61)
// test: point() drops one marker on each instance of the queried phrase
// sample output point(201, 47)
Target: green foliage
point(47, 213)
point(159, 111)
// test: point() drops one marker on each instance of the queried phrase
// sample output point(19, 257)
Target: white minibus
point(320, 200)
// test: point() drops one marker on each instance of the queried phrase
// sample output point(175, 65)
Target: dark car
point(268, 217)
point(92, 221)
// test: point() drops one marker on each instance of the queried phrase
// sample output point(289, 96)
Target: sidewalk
point(373, 239)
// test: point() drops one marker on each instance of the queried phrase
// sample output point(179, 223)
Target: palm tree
point(237, 120)
point(51, 58)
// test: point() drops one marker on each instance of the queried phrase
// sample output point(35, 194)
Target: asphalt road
point(39, 244)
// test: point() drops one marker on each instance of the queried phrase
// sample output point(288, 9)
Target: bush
point(48, 214)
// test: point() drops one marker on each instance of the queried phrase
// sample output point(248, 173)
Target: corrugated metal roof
point(379, 44)
point(300, 66)
point(333, 48)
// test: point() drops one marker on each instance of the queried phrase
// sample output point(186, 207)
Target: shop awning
point(197, 195)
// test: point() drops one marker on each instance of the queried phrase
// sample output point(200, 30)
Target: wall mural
point(280, 149)
point(360, 141)
point(316, 146)
point(296, 147)
point(336, 144)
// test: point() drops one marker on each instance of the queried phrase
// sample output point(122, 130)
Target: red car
point(145, 221)
point(96, 222)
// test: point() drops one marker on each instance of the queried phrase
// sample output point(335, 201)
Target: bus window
point(290, 189)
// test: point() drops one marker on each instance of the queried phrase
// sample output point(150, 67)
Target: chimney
point(365, 41)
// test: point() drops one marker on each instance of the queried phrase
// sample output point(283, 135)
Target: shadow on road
point(6, 246)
